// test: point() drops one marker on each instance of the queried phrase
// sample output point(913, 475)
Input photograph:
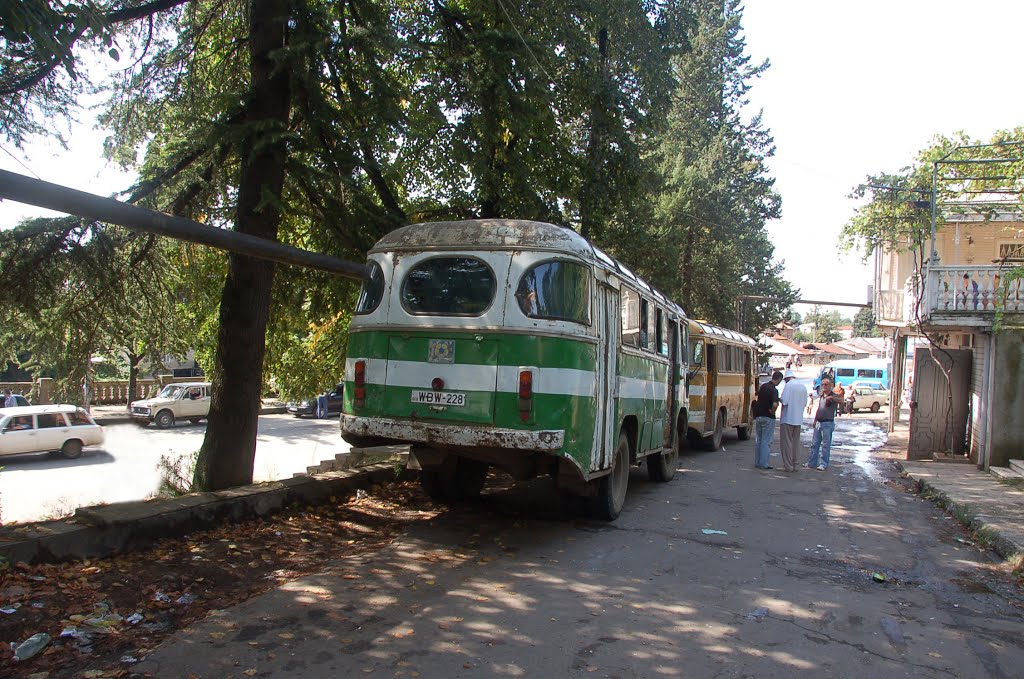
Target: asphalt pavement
point(726, 571)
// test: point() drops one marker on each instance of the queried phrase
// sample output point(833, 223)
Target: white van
point(178, 401)
point(42, 429)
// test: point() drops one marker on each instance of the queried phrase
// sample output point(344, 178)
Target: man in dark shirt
point(764, 420)
point(824, 425)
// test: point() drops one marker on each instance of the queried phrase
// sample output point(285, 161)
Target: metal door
point(711, 385)
point(607, 407)
point(936, 423)
point(673, 382)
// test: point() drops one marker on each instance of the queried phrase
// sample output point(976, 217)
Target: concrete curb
point(109, 529)
point(987, 518)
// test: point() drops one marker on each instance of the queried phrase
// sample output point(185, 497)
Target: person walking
point(764, 420)
point(824, 425)
point(791, 419)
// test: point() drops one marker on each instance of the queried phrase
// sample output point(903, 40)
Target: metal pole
point(935, 174)
point(31, 191)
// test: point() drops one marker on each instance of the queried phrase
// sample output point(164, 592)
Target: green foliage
point(826, 325)
point(716, 194)
point(898, 210)
point(77, 289)
point(864, 324)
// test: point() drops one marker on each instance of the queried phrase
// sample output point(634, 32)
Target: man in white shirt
point(794, 396)
point(9, 400)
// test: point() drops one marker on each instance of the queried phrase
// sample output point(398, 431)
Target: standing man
point(794, 396)
point(824, 425)
point(764, 420)
point(9, 400)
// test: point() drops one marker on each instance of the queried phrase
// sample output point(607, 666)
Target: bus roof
point(510, 234)
point(705, 328)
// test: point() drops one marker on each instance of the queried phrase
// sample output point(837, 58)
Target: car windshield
point(170, 391)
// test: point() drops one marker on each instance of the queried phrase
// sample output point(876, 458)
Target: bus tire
point(430, 482)
point(743, 432)
point(470, 476)
point(611, 489)
point(661, 467)
point(714, 442)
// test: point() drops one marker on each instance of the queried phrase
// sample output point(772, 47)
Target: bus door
point(748, 386)
point(673, 382)
point(607, 410)
point(711, 399)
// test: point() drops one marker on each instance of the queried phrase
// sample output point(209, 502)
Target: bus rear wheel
point(611, 489)
point(661, 467)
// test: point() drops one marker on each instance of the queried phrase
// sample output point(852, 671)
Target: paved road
point(511, 586)
point(126, 467)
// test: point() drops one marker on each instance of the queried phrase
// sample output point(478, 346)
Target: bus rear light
point(525, 394)
point(437, 384)
point(360, 382)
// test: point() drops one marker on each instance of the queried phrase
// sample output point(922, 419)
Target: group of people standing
point(791, 418)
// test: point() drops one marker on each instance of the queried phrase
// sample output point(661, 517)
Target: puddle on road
point(853, 442)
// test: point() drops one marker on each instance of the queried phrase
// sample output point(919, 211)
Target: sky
point(857, 88)
point(854, 88)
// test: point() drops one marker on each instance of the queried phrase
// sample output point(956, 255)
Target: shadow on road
point(31, 461)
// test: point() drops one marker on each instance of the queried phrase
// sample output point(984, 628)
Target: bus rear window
point(556, 290)
point(372, 291)
point(448, 286)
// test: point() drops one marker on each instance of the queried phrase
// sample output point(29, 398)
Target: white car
point(866, 397)
point(178, 401)
point(41, 429)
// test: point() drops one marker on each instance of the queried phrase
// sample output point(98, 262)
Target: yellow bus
point(720, 384)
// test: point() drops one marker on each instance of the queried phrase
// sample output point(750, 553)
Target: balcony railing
point(969, 289)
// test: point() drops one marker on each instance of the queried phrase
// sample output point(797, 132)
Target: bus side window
point(630, 318)
point(645, 324)
point(697, 354)
point(659, 333)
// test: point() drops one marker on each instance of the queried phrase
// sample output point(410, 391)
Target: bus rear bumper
point(460, 435)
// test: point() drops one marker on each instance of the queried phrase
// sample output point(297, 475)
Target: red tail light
point(360, 382)
point(525, 394)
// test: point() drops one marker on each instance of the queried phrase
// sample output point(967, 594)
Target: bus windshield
point(448, 286)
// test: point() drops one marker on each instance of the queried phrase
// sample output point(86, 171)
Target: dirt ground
point(104, 614)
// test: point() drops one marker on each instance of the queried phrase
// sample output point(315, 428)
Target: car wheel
point(71, 449)
point(875, 407)
point(164, 419)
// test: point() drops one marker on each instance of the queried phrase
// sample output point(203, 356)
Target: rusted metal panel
point(484, 234)
point(455, 435)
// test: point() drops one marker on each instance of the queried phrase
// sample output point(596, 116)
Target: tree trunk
point(133, 377)
point(226, 457)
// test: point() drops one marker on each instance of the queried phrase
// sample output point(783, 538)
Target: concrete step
point(1004, 473)
point(1017, 466)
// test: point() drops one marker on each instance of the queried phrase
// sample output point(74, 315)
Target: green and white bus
point(516, 344)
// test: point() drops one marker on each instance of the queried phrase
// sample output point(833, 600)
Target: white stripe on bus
point(465, 377)
point(563, 381)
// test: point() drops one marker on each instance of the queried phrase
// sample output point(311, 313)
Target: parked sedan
point(866, 397)
point(308, 406)
point(41, 429)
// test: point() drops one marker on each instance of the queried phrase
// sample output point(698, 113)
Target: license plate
point(440, 398)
